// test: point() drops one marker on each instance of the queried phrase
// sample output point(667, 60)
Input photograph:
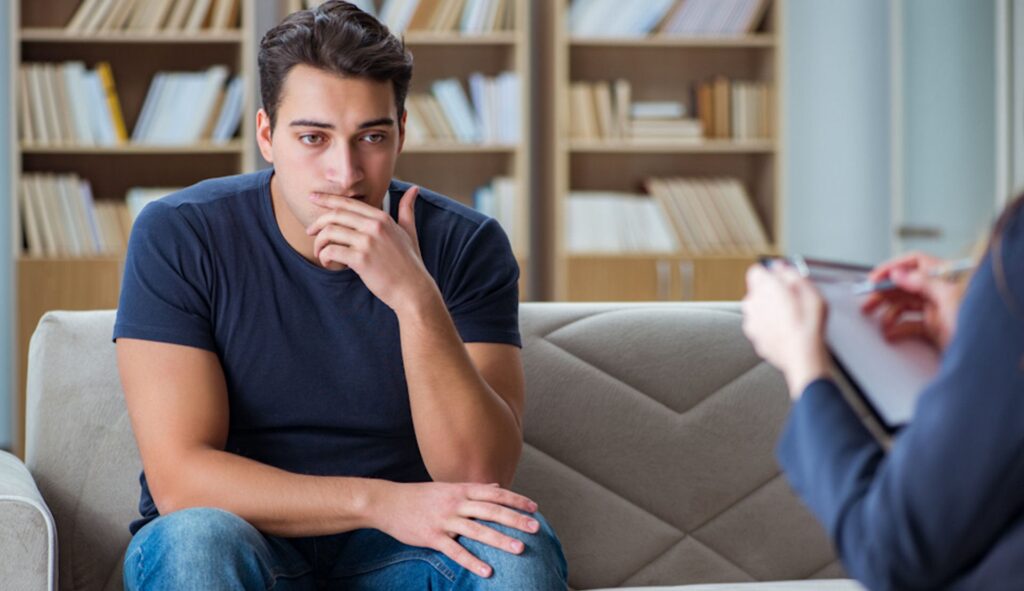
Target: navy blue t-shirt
point(312, 359)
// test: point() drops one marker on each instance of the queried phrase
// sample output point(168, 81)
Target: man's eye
point(311, 139)
point(374, 138)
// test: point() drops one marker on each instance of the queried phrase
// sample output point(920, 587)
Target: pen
point(949, 271)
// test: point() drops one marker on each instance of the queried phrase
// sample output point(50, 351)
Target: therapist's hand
point(784, 318)
point(923, 307)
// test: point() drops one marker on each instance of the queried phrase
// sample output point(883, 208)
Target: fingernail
point(484, 571)
point(533, 524)
point(516, 547)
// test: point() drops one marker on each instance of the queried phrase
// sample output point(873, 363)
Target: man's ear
point(401, 129)
point(264, 135)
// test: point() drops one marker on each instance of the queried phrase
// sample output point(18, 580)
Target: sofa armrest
point(28, 534)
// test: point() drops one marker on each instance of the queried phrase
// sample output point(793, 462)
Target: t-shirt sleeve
point(482, 288)
point(166, 292)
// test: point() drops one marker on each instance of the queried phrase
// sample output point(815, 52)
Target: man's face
point(333, 135)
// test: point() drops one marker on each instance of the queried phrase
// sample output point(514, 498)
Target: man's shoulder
point(195, 209)
point(213, 190)
point(438, 207)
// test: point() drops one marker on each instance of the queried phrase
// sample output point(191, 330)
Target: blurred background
point(643, 150)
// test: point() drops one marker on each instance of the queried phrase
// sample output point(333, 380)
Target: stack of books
point(183, 108)
point(616, 223)
point(490, 114)
point(367, 6)
point(471, 17)
point(715, 17)
point(614, 18)
point(152, 16)
point(605, 111)
point(66, 104)
point(735, 109)
point(710, 216)
point(499, 200)
point(60, 219)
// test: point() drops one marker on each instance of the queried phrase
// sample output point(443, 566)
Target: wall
point(836, 129)
point(7, 377)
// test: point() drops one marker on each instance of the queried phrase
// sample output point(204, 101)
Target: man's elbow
point(477, 470)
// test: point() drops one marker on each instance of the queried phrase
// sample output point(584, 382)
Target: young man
point(321, 364)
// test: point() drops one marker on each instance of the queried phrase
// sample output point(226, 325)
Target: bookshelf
point(39, 36)
point(658, 67)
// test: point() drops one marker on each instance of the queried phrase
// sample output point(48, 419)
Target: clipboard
point(887, 377)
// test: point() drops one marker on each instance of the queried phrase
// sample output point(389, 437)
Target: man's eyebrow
point(311, 123)
point(385, 121)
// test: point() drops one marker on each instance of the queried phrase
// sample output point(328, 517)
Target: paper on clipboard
point(890, 376)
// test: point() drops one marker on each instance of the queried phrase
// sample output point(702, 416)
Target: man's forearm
point(274, 501)
point(465, 430)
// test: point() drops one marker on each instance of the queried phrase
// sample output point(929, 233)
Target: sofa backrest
point(649, 434)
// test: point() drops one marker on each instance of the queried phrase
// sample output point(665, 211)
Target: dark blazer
point(944, 508)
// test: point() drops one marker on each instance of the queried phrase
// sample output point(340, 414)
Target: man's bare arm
point(178, 405)
point(466, 399)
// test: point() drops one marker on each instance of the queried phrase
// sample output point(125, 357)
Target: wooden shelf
point(623, 165)
point(738, 42)
point(677, 147)
point(459, 148)
point(25, 259)
point(677, 255)
point(54, 35)
point(233, 147)
point(415, 38)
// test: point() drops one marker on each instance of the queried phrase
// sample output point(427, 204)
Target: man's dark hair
point(336, 37)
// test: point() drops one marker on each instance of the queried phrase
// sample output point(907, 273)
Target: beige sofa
point(649, 438)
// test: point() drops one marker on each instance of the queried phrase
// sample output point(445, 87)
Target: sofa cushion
point(649, 435)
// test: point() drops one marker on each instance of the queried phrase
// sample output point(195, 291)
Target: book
point(710, 215)
point(455, 105)
point(179, 15)
point(26, 128)
point(225, 15)
point(79, 109)
point(47, 96)
point(106, 77)
point(31, 226)
point(614, 222)
point(198, 16)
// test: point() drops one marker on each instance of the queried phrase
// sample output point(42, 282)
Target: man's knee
point(192, 543)
point(200, 527)
point(541, 563)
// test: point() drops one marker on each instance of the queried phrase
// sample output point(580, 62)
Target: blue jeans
point(211, 549)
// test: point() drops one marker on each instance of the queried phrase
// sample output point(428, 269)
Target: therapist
point(944, 508)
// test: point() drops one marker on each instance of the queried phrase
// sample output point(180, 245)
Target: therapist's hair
point(336, 37)
point(1010, 218)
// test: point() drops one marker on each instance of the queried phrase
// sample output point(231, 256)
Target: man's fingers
point(346, 203)
point(499, 514)
point(501, 496)
point(333, 255)
point(487, 535)
point(463, 557)
point(344, 218)
point(338, 235)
